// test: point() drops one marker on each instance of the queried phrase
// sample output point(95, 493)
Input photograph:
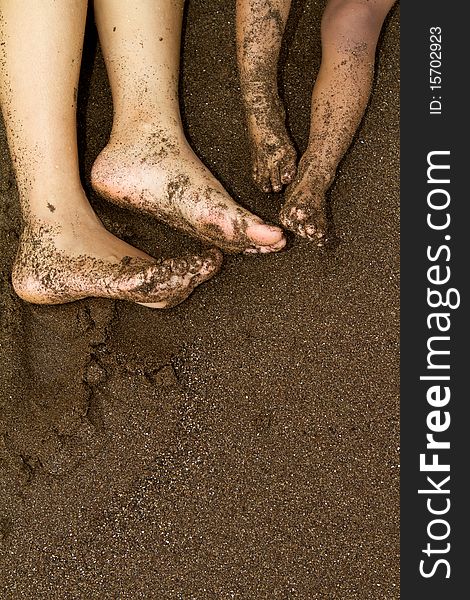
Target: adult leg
point(260, 27)
point(148, 163)
point(350, 30)
point(65, 253)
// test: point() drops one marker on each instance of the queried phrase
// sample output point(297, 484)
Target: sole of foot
point(160, 175)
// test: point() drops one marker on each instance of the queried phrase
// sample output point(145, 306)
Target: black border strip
point(424, 131)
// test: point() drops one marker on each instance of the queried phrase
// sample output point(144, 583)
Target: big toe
point(265, 238)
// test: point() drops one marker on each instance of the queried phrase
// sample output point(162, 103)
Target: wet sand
point(244, 444)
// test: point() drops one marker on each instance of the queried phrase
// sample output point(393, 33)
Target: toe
point(287, 169)
point(212, 263)
point(294, 218)
point(261, 234)
point(266, 249)
point(265, 185)
point(300, 215)
point(300, 229)
point(315, 234)
point(311, 231)
point(190, 272)
point(280, 244)
point(273, 247)
point(257, 174)
point(201, 267)
point(262, 177)
point(276, 178)
point(285, 219)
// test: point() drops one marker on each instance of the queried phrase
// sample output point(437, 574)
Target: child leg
point(350, 30)
point(65, 253)
point(148, 163)
point(260, 27)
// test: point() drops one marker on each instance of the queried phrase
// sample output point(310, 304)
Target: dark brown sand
point(245, 444)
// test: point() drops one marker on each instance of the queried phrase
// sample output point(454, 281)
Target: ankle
point(132, 128)
point(66, 212)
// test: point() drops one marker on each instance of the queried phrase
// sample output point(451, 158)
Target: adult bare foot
point(273, 155)
point(304, 209)
point(153, 169)
point(59, 263)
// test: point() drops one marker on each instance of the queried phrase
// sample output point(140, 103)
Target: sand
point(244, 444)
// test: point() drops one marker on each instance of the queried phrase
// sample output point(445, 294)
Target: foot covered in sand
point(154, 170)
point(304, 209)
point(274, 156)
point(57, 264)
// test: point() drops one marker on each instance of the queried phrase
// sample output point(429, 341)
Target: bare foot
point(304, 209)
point(56, 264)
point(274, 156)
point(154, 170)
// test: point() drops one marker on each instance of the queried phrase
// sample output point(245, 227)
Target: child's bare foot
point(273, 155)
point(154, 170)
point(59, 263)
point(304, 209)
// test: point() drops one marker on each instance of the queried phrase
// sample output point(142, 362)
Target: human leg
point(65, 253)
point(148, 163)
point(260, 27)
point(350, 30)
